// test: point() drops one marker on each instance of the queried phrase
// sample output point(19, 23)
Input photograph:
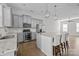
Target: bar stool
point(56, 46)
point(57, 50)
point(67, 42)
point(63, 44)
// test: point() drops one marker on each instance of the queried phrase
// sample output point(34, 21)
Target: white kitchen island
point(45, 42)
point(8, 45)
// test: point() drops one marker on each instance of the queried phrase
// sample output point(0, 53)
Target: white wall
point(71, 27)
point(51, 26)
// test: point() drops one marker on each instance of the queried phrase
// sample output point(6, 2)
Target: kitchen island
point(8, 45)
point(45, 42)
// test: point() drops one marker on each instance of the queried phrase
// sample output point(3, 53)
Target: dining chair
point(63, 43)
point(56, 46)
point(67, 42)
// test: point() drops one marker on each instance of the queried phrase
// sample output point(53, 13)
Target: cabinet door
point(33, 23)
point(20, 21)
point(1, 16)
point(7, 16)
point(38, 40)
point(25, 19)
point(20, 37)
point(15, 20)
point(29, 20)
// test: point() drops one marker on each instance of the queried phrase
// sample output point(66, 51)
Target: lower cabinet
point(33, 35)
point(45, 44)
point(17, 21)
point(38, 40)
point(12, 53)
point(20, 37)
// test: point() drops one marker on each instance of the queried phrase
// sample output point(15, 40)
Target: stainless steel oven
point(26, 34)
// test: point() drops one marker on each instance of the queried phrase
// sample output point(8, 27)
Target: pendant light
point(47, 14)
point(55, 15)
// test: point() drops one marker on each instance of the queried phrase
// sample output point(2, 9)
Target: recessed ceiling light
point(77, 4)
point(24, 4)
point(31, 11)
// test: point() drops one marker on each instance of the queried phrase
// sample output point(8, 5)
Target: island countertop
point(8, 44)
point(50, 34)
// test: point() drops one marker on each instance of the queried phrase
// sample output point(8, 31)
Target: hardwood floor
point(29, 49)
point(73, 49)
point(74, 46)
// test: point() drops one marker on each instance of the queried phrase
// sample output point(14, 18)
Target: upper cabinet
point(17, 21)
point(20, 21)
point(7, 17)
point(1, 16)
point(35, 22)
point(27, 19)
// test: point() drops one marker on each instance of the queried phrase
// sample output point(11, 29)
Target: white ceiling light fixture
point(47, 13)
point(55, 15)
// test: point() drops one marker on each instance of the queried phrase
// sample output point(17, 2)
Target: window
point(65, 27)
point(77, 27)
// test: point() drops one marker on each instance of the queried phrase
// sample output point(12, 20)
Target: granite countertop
point(6, 51)
point(8, 43)
point(50, 34)
point(7, 37)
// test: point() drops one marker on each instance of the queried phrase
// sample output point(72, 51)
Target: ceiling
point(63, 10)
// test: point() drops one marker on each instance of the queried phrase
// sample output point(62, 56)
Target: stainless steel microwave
point(26, 25)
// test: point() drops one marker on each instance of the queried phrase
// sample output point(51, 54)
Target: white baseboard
point(44, 52)
point(74, 35)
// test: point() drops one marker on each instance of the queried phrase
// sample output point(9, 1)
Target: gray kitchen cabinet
point(35, 22)
point(7, 16)
point(27, 19)
point(20, 37)
point(33, 35)
point(38, 40)
point(15, 21)
point(1, 16)
point(20, 20)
